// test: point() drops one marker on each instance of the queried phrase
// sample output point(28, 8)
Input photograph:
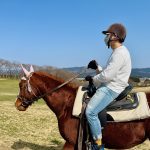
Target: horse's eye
point(22, 86)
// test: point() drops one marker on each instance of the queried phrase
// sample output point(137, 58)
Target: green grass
point(8, 89)
point(34, 129)
point(9, 85)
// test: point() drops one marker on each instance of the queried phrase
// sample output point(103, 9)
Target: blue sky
point(67, 33)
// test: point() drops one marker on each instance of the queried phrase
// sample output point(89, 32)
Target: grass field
point(34, 129)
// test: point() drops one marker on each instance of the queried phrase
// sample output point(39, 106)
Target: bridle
point(26, 102)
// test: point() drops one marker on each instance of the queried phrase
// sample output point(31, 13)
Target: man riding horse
point(114, 78)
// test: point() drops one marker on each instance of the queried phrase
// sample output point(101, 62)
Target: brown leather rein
point(26, 103)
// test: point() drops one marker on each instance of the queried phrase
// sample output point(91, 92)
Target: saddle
point(125, 101)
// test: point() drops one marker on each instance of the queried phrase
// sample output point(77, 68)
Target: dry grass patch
point(35, 129)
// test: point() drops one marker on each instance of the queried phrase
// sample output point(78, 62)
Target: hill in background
point(139, 76)
point(136, 72)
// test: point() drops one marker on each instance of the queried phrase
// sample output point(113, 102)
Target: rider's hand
point(93, 64)
point(89, 78)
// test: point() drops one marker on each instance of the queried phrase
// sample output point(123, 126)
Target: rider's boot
point(98, 145)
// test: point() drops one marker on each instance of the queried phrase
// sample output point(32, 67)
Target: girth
point(83, 123)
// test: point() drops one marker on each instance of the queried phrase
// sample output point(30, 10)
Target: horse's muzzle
point(19, 105)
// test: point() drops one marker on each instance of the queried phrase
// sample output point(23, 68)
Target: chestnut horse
point(115, 135)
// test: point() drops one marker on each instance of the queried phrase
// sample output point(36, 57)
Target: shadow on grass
point(22, 144)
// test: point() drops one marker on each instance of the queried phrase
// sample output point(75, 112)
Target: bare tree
point(13, 70)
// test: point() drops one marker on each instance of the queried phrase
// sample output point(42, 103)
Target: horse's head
point(27, 94)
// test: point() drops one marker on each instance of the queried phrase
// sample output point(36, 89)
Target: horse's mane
point(44, 75)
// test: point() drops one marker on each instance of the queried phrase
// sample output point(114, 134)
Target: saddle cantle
point(125, 101)
point(128, 103)
point(124, 93)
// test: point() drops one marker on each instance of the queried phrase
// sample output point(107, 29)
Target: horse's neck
point(61, 101)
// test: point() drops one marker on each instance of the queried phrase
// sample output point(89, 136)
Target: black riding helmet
point(118, 30)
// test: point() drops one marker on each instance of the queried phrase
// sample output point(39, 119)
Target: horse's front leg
point(68, 146)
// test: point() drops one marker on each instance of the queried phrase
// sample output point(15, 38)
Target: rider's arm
point(111, 70)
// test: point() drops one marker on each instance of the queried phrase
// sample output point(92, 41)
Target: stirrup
point(88, 145)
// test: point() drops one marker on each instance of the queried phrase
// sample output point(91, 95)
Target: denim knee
point(89, 112)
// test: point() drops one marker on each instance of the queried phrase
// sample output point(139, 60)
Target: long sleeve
point(114, 64)
point(117, 71)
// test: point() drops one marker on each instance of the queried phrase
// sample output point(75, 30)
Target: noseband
point(24, 102)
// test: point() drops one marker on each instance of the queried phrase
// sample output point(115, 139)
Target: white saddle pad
point(141, 112)
point(78, 102)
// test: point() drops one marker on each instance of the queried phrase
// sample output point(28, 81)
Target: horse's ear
point(31, 69)
point(26, 72)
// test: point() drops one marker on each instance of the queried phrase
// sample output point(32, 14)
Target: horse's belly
point(123, 135)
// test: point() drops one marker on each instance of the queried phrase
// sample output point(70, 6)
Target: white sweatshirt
point(117, 72)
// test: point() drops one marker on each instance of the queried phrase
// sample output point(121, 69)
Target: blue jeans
point(100, 100)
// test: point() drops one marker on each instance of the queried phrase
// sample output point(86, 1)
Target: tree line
point(13, 70)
